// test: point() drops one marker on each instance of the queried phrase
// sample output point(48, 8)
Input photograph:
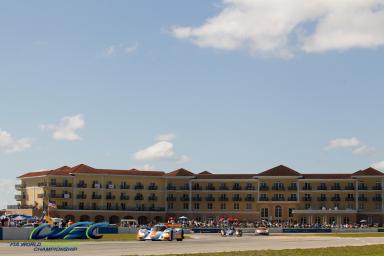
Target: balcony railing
point(377, 198)
point(223, 199)
point(81, 185)
point(110, 186)
point(236, 188)
point(184, 187)
point(223, 187)
point(81, 196)
point(236, 199)
point(263, 199)
point(139, 186)
point(362, 187)
point(349, 199)
point(139, 198)
point(335, 188)
point(321, 187)
point(19, 186)
point(307, 188)
point(152, 198)
point(322, 199)
point(171, 187)
point(250, 188)
point(196, 198)
point(210, 199)
point(124, 197)
point(96, 196)
point(335, 199)
point(376, 187)
point(278, 188)
point(349, 187)
point(292, 187)
point(61, 185)
point(249, 199)
point(264, 188)
point(292, 198)
point(184, 198)
point(154, 187)
point(197, 188)
point(110, 197)
point(362, 198)
point(124, 186)
point(307, 199)
point(277, 198)
point(210, 188)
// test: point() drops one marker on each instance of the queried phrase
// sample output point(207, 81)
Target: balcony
point(262, 198)
point(362, 187)
point(96, 185)
point(196, 198)
point(335, 188)
point(19, 197)
point(210, 199)
point(139, 198)
point(292, 198)
point(210, 187)
point(96, 196)
point(307, 188)
point(264, 188)
point(185, 187)
point(171, 187)
point(335, 199)
point(139, 186)
point(349, 187)
point(42, 184)
point(376, 187)
point(307, 199)
point(321, 187)
point(236, 188)
point(377, 198)
point(171, 198)
point(223, 199)
point(124, 197)
point(362, 198)
point(81, 185)
point(278, 188)
point(183, 198)
point(277, 198)
point(249, 199)
point(81, 196)
point(223, 187)
point(152, 198)
point(124, 186)
point(110, 186)
point(19, 186)
point(322, 199)
point(292, 187)
point(250, 188)
point(350, 199)
point(110, 197)
point(152, 187)
point(196, 187)
point(61, 185)
point(236, 199)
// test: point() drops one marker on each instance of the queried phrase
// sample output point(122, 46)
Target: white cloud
point(8, 144)
point(120, 49)
point(166, 137)
point(67, 128)
point(365, 150)
point(280, 27)
point(343, 143)
point(161, 150)
point(147, 167)
point(7, 192)
point(158, 151)
point(379, 165)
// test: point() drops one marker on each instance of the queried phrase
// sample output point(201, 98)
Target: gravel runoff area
point(199, 243)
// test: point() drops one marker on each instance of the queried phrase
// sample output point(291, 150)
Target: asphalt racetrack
point(199, 243)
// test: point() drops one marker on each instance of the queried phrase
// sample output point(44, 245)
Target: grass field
point(369, 250)
point(368, 234)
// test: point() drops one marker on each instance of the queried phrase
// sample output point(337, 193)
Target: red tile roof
point(224, 176)
point(280, 170)
point(180, 172)
point(368, 172)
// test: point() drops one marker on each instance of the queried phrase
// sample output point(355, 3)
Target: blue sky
point(99, 82)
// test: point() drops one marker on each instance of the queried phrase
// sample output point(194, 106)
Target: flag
point(52, 205)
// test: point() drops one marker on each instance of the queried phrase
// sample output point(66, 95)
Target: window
point(317, 220)
point(351, 205)
point(186, 206)
point(81, 205)
point(223, 206)
point(196, 206)
point(346, 220)
point(361, 205)
point(378, 206)
point(236, 206)
point(303, 220)
point(290, 212)
point(307, 206)
point(264, 213)
point(332, 220)
point(278, 211)
point(170, 205)
point(209, 206)
point(248, 206)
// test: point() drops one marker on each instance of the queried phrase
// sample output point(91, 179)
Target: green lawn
point(368, 234)
point(369, 250)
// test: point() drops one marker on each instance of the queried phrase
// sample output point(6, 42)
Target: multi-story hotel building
point(278, 194)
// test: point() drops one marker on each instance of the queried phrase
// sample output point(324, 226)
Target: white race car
point(160, 232)
point(262, 231)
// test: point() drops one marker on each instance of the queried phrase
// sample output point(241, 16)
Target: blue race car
point(160, 232)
